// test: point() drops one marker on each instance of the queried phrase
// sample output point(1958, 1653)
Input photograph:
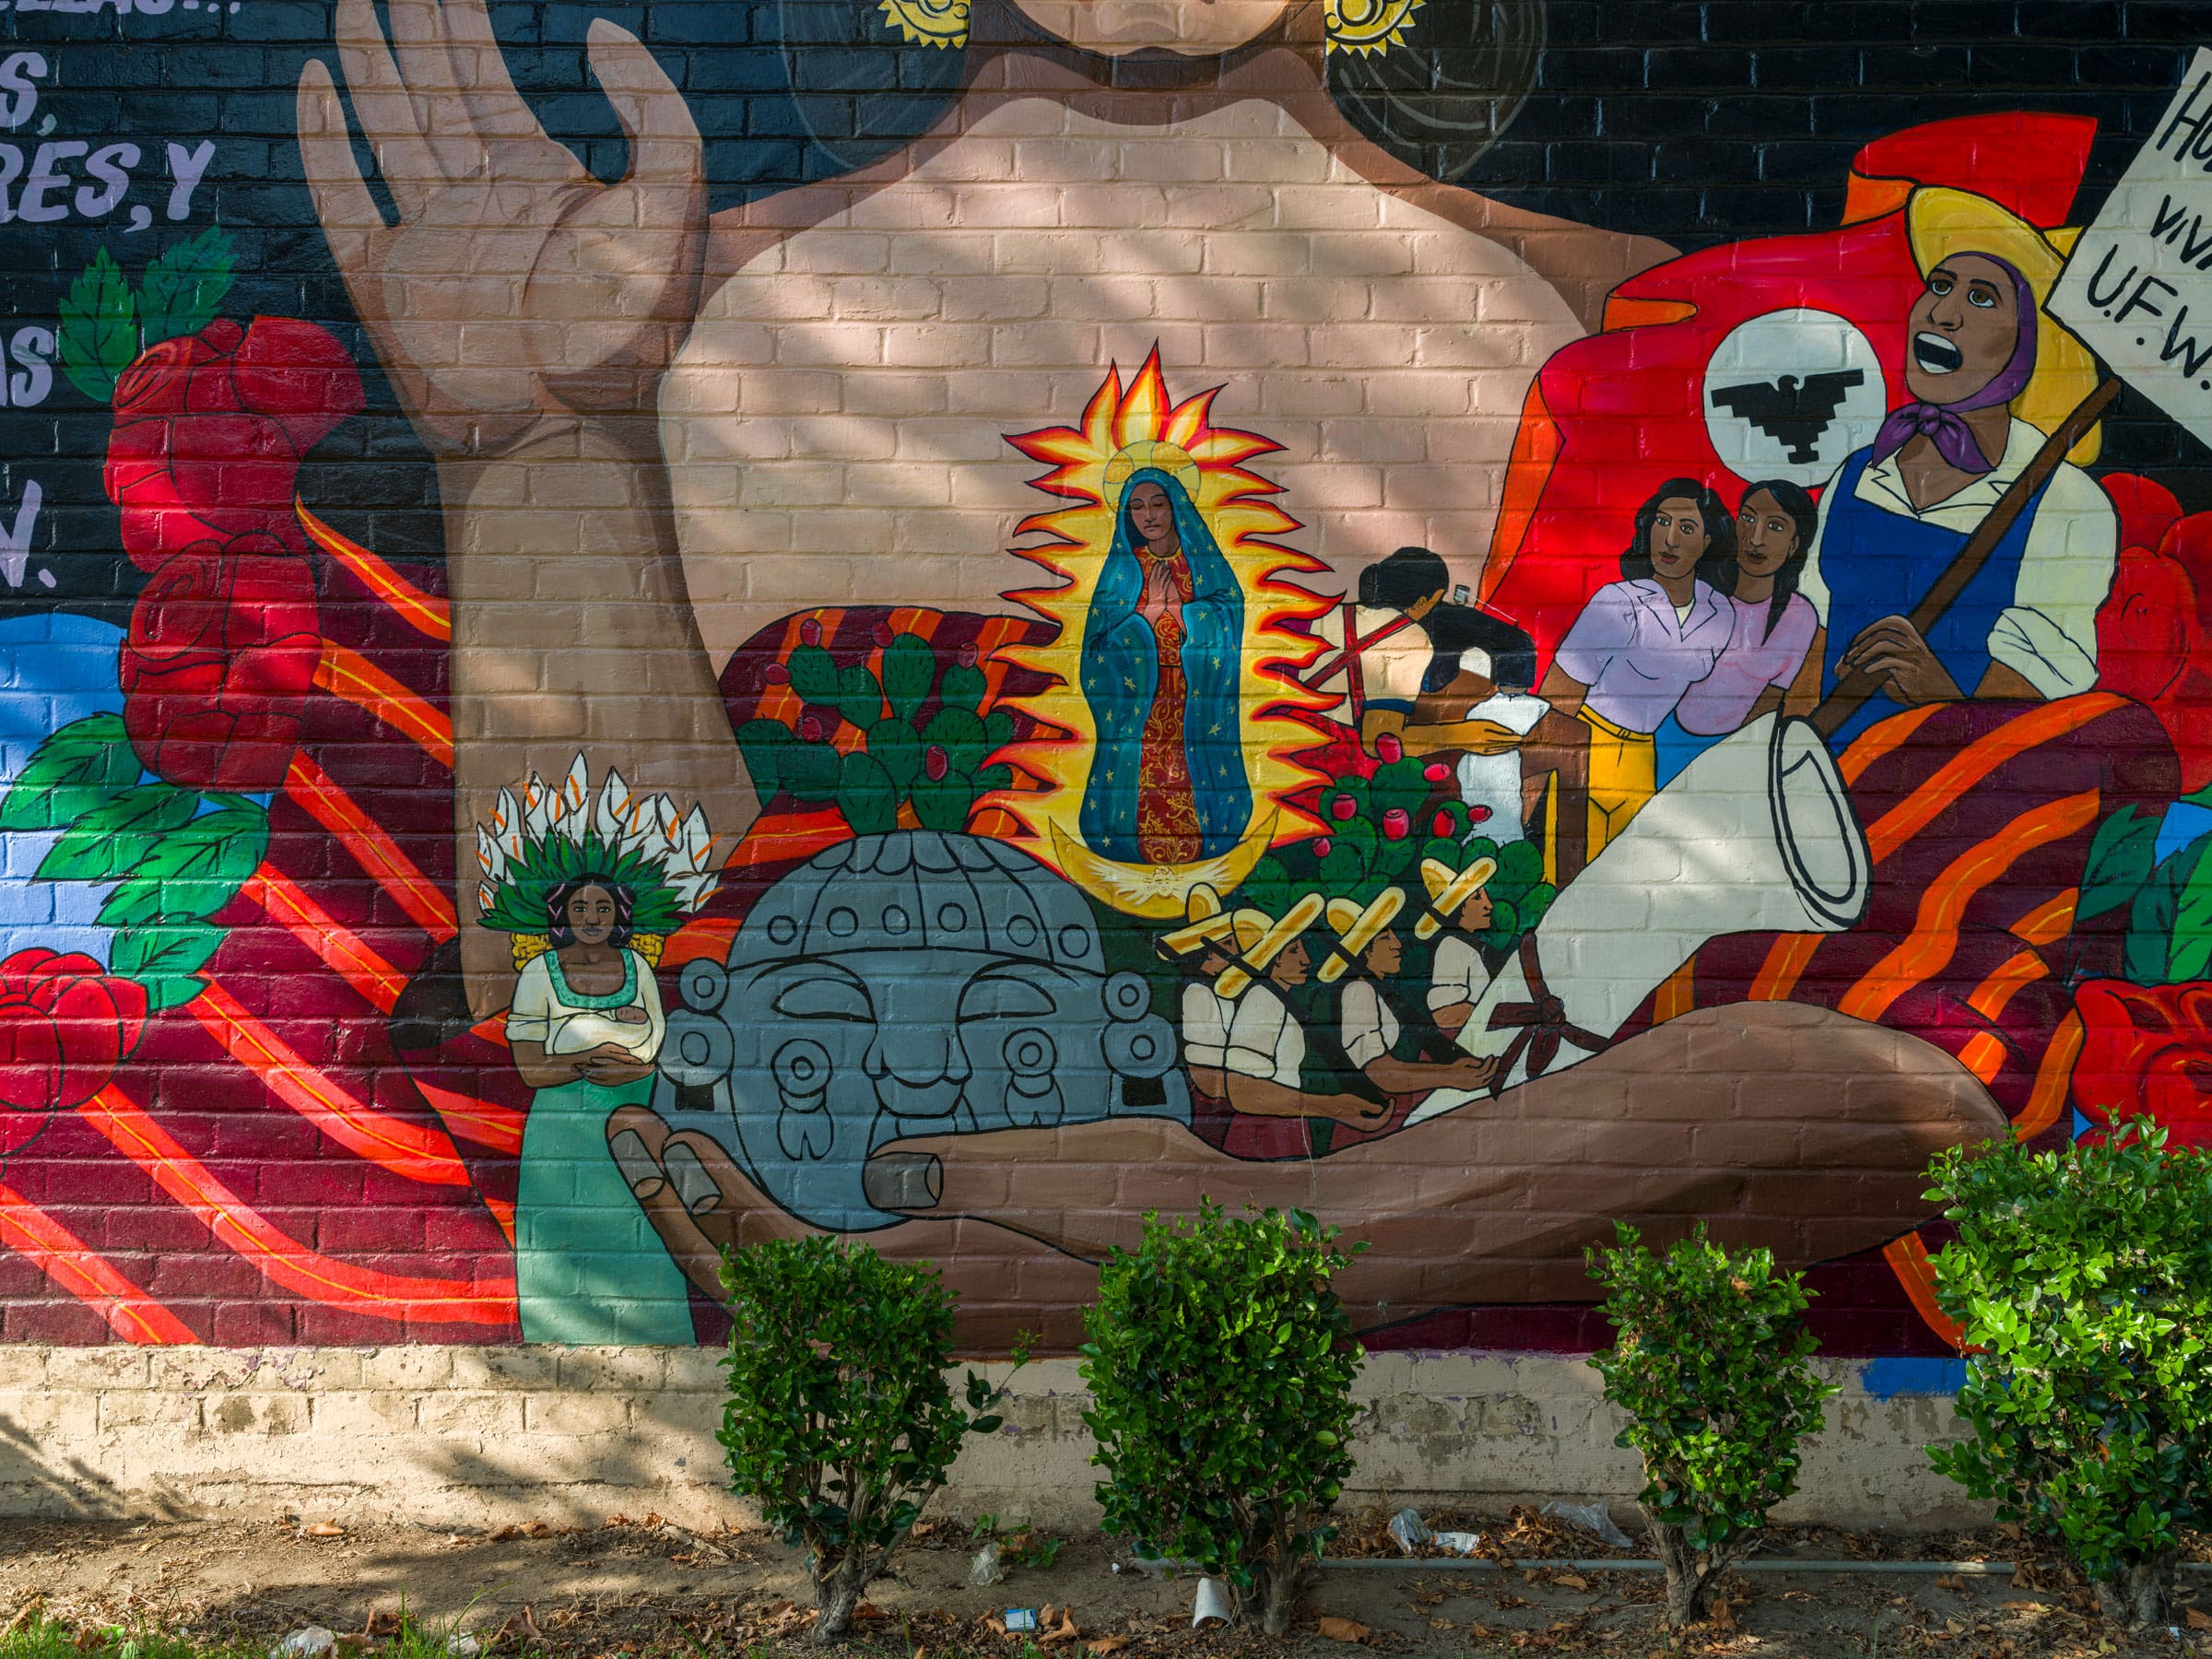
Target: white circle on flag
point(1789, 394)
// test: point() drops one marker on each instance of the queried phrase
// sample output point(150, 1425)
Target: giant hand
point(1789, 1126)
point(515, 284)
point(525, 313)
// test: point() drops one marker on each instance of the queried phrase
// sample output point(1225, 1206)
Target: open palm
point(516, 286)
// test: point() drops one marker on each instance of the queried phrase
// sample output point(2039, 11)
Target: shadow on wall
point(34, 1484)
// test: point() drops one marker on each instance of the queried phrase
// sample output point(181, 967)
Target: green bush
point(840, 1421)
point(1220, 1366)
point(2082, 1280)
point(1711, 1360)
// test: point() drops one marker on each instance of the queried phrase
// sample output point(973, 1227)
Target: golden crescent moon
point(1157, 892)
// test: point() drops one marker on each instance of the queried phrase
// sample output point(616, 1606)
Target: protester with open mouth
point(1989, 375)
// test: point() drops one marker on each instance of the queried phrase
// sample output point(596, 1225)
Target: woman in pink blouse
point(1638, 645)
point(1771, 659)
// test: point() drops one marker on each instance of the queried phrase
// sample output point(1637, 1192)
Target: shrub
point(2082, 1282)
point(1711, 1361)
point(1220, 1366)
point(840, 1421)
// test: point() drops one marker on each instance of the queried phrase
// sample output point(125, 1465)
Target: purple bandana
point(1954, 439)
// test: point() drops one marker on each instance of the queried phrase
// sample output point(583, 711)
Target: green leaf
point(112, 838)
point(2120, 862)
point(165, 958)
point(184, 287)
point(2191, 953)
point(86, 764)
point(194, 871)
point(100, 328)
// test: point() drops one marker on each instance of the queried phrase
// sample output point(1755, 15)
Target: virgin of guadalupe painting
point(1160, 671)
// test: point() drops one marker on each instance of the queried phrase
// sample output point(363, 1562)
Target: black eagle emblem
point(1793, 412)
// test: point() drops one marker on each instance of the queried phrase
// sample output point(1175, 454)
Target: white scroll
point(1757, 835)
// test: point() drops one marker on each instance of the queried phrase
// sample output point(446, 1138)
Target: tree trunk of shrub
point(1277, 1593)
point(836, 1590)
point(1688, 1585)
point(2142, 1597)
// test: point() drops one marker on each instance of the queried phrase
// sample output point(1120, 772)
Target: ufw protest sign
point(2138, 287)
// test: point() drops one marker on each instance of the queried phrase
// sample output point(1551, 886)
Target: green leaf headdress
point(558, 833)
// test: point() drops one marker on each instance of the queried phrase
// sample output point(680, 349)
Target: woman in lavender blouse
point(1772, 658)
point(1641, 643)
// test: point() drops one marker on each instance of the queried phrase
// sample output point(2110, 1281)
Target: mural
point(1139, 625)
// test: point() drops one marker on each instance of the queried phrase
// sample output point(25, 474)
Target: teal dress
point(588, 1267)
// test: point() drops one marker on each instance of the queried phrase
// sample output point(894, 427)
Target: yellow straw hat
point(1208, 922)
point(1260, 938)
point(1357, 927)
point(1448, 889)
point(1942, 222)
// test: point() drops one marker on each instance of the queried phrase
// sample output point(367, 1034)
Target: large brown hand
point(515, 284)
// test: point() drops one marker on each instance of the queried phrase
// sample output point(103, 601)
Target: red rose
point(1388, 749)
point(2154, 630)
point(65, 1024)
point(220, 658)
point(1342, 808)
point(2147, 1051)
point(1395, 823)
point(210, 430)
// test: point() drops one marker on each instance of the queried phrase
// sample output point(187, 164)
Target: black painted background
point(1696, 123)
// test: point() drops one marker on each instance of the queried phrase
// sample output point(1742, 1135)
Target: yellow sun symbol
point(1090, 464)
point(1368, 25)
point(928, 22)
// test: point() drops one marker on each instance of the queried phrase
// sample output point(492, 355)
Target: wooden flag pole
point(1855, 688)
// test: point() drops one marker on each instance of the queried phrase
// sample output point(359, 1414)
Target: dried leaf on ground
point(323, 1529)
point(2198, 1620)
point(1343, 1630)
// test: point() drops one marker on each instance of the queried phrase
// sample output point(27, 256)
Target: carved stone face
point(1189, 28)
point(904, 984)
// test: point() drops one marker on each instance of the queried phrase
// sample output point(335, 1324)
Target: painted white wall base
point(458, 1436)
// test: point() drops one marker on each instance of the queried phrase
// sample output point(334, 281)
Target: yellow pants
point(1623, 776)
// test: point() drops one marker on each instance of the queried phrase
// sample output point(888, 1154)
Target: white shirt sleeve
point(657, 1022)
point(2048, 634)
point(1458, 974)
point(1810, 581)
point(530, 1017)
point(1256, 1034)
point(1363, 1016)
point(1204, 1038)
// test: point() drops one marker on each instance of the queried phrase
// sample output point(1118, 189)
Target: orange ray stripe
point(1934, 933)
point(66, 1259)
point(1984, 1056)
point(372, 978)
point(486, 1123)
point(503, 1213)
point(1786, 958)
point(360, 682)
point(374, 851)
point(492, 1027)
point(410, 1150)
point(1880, 738)
point(1908, 1258)
point(2047, 1097)
point(1677, 994)
point(420, 610)
point(2050, 921)
point(2005, 981)
point(279, 1258)
point(1981, 758)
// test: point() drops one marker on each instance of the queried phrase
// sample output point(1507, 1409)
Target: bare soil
point(637, 1588)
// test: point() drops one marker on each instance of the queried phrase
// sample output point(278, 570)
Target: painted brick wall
point(632, 628)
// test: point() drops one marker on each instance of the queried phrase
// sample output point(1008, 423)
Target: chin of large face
point(1186, 28)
